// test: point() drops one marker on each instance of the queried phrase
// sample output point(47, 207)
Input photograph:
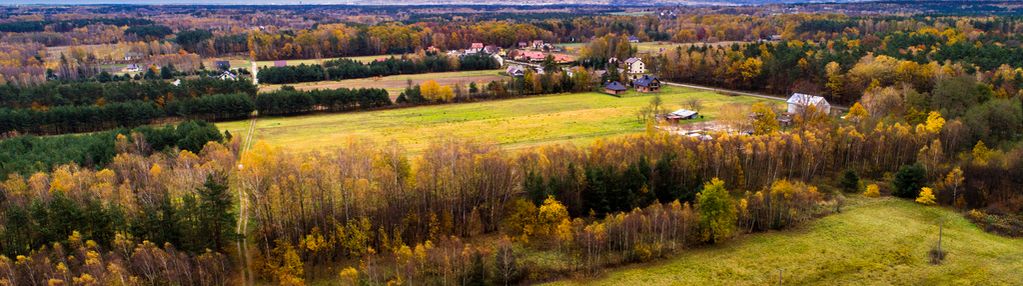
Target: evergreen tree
point(850, 181)
point(908, 181)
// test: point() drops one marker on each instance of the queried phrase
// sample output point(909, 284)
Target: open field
point(874, 242)
point(363, 59)
point(577, 118)
point(396, 83)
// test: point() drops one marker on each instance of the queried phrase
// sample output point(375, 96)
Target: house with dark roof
point(515, 71)
point(223, 65)
point(614, 88)
point(647, 83)
point(491, 49)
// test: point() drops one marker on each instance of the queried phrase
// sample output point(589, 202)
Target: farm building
point(647, 83)
point(681, 114)
point(280, 63)
point(614, 88)
point(799, 101)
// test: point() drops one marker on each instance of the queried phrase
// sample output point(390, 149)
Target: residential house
point(633, 39)
point(537, 44)
point(647, 83)
point(635, 67)
point(516, 70)
point(798, 102)
point(224, 65)
point(476, 48)
point(132, 68)
point(492, 49)
point(523, 45)
point(280, 63)
point(563, 58)
point(614, 88)
point(531, 56)
point(228, 75)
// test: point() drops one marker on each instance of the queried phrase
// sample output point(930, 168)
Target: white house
point(799, 101)
point(515, 70)
point(228, 75)
point(635, 67)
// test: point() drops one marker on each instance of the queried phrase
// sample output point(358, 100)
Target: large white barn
point(800, 101)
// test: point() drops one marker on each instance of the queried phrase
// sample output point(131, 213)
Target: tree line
point(53, 94)
point(339, 69)
point(288, 101)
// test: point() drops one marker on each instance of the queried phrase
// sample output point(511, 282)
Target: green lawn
point(514, 123)
point(875, 242)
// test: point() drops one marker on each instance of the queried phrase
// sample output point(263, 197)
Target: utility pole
point(780, 277)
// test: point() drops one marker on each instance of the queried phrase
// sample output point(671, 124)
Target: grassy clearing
point(577, 118)
point(363, 59)
point(396, 83)
point(874, 242)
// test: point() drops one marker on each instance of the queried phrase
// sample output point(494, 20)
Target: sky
point(295, 2)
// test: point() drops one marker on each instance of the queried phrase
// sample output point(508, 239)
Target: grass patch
point(875, 241)
point(577, 118)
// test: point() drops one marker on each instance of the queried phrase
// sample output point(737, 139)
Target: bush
point(908, 181)
point(850, 181)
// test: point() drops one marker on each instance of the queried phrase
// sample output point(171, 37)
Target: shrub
point(872, 191)
point(908, 181)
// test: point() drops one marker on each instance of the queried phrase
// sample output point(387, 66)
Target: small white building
point(635, 67)
point(515, 71)
point(228, 75)
point(799, 101)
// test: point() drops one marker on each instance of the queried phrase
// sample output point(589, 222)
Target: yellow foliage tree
point(349, 276)
point(926, 196)
point(766, 121)
point(872, 191)
point(445, 93)
point(934, 122)
point(551, 214)
point(857, 113)
point(430, 90)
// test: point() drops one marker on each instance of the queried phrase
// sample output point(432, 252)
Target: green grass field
point(873, 242)
point(514, 123)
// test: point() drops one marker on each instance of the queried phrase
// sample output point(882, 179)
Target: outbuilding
point(614, 88)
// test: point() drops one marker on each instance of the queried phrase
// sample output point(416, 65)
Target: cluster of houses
point(636, 76)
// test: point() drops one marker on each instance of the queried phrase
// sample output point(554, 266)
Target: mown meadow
point(577, 118)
